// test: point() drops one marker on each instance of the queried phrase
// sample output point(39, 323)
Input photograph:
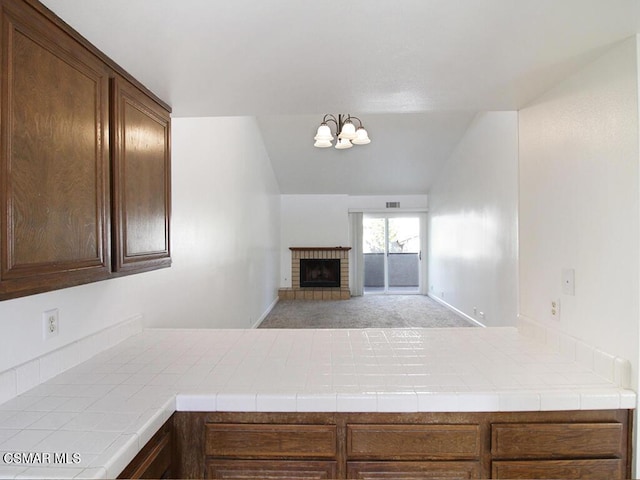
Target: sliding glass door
point(391, 247)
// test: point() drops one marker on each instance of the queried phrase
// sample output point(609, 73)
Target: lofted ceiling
point(415, 71)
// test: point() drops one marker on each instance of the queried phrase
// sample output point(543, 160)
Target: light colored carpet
point(368, 311)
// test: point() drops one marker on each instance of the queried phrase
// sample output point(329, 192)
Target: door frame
point(422, 263)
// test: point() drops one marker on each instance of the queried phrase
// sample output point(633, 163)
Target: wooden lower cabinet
point(560, 469)
point(276, 469)
point(406, 442)
point(378, 446)
point(564, 450)
point(412, 470)
point(554, 440)
point(270, 441)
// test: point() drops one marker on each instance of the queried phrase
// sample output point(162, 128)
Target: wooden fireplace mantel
point(325, 249)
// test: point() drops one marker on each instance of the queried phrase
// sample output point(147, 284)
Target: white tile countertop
point(105, 409)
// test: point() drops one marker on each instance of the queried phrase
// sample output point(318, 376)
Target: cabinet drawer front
point(262, 440)
point(413, 441)
point(565, 469)
point(410, 470)
point(261, 469)
point(553, 440)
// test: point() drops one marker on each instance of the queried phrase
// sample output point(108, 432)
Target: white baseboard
point(266, 312)
point(454, 309)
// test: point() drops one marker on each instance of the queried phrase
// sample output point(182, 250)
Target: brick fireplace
point(320, 267)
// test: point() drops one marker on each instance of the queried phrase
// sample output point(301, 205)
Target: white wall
point(311, 221)
point(225, 248)
point(473, 222)
point(379, 202)
point(226, 225)
point(579, 166)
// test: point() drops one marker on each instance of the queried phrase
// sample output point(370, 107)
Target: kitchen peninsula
point(331, 402)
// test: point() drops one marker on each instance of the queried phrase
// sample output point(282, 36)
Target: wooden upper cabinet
point(54, 164)
point(84, 160)
point(140, 133)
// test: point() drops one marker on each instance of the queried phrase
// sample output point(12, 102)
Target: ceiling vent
point(393, 204)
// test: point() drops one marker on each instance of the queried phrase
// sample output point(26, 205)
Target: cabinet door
point(141, 180)
point(54, 170)
point(561, 469)
point(412, 470)
point(272, 469)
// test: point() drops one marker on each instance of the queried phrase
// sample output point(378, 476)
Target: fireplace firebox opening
point(320, 272)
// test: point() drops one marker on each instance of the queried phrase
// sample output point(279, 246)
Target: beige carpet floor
point(368, 311)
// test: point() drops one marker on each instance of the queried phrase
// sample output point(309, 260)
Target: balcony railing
point(404, 270)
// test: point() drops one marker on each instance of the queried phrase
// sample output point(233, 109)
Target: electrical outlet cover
point(50, 325)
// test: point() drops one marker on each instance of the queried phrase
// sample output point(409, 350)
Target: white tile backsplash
point(613, 369)
point(8, 385)
point(28, 375)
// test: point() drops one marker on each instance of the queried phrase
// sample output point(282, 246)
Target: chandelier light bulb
point(343, 143)
point(322, 143)
point(362, 137)
point(323, 133)
point(348, 131)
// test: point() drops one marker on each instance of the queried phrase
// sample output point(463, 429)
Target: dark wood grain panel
point(193, 431)
point(270, 469)
point(413, 470)
point(269, 441)
point(54, 163)
point(141, 180)
point(557, 440)
point(413, 441)
point(609, 469)
point(190, 438)
point(53, 172)
point(156, 459)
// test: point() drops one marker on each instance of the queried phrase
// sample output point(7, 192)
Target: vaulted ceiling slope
point(290, 61)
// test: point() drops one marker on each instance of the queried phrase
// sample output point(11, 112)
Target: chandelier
point(348, 135)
